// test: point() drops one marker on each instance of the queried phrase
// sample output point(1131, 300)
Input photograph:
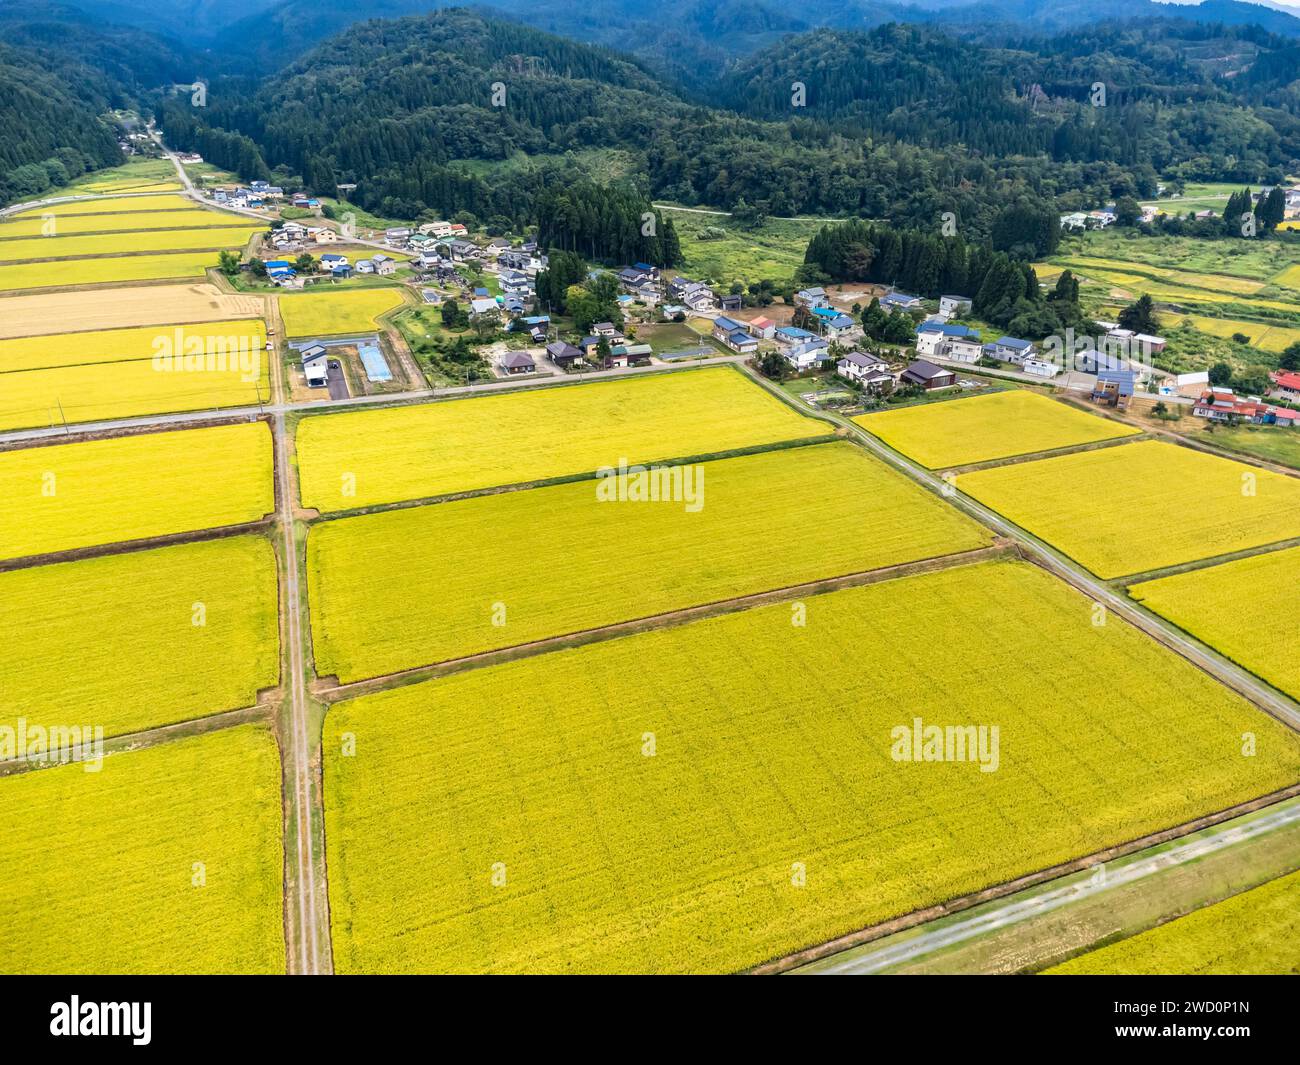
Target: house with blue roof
point(1012, 349)
point(788, 336)
point(900, 301)
point(734, 335)
point(935, 337)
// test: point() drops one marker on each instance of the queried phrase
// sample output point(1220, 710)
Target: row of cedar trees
point(1003, 290)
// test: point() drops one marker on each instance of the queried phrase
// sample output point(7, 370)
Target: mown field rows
point(167, 860)
point(49, 313)
point(1142, 506)
point(124, 345)
point(337, 313)
point(408, 587)
point(70, 247)
point(1253, 933)
point(106, 271)
point(995, 426)
point(140, 639)
point(1238, 609)
point(39, 398)
point(363, 458)
point(1274, 338)
point(104, 491)
point(714, 795)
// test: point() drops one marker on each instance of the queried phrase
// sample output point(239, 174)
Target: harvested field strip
point(1233, 608)
point(111, 205)
point(167, 860)
point(980, 428)
point(73, 394)
point(46, 313)
point(204, 238)
point(363, 458)
point(105, 271)
point(708, 797)
point(1241, 286)
point(146, 220)
point(386, 597)
point(1274, 338)
point(1253, 933)
point(194, 626)
point(106, 491)
point(128, 345)
point(1142, 506)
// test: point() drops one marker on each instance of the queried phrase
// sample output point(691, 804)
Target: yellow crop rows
point(104, 491)
point(408, 587)
point(713, 795)
point(1238, 609)
point(1141, 506)
point(981, 428)
point(336, 313)
point(167, 860)
point(140, 639)
point(114, 244)
point(362, 458)
point(106, 271)
point(122, 345)
point(40, 398)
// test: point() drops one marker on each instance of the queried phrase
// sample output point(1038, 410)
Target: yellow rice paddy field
point(104, 491)
point(1238, 609)
point(121, 243)
point(362, 458)
point(167, 860)
point(1141, 506)
point(47, 313)
point(1254, 933)
point(1274, 338)
point(103, 391)
point(714, 795)
point(994, 426)
point(105, 271)
point(145, 220)
point(408, 587)
point(140, 639)
point(112, 205)
point(126, 345)
point(338, 312)
point(1290, 277)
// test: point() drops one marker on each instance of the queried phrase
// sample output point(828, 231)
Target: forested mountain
point(50, 126)
point(1164, 106)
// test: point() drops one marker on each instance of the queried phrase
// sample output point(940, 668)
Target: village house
point(1114, 388)
point(963, 349)
point(762, 328)
point(934, 338)
point(812, 297)
point(482, 306)
point(1223, 405)
point(1040, 367)
point(397, 235)
point(734, 335)
point(622, 355)
point(927, 375)
point(900, 301)
point(871, 371)
point(832, 323)
point(789, 336)
point(809, 355)
point(1286, 385)
point(562, 354)
point(315, 365)
point(1011, 349)
point(517, 362)
point(953, 306)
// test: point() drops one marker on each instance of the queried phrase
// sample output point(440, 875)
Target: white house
point(933, 337)
point(1041, 367)
point(952, 306)
point(315, 365)
point(859, 366)
point(1012, 349)
point(962, 349)
point(482, 306)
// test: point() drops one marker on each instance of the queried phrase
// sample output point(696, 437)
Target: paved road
point(1034, 903)
point(237, 413)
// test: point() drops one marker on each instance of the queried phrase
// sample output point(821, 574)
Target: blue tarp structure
point(373, 360)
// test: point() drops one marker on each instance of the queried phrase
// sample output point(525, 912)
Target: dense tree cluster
point(607, 223)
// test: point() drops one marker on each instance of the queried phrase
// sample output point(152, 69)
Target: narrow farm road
point(922, 942)
point(298, 743)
